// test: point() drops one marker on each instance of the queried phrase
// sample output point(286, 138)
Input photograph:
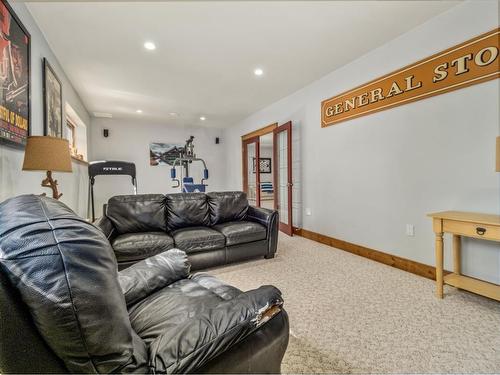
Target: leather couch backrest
point(186, 210)
point(66, 274)
point(23, 350)
point(227, 206)
point(137, 213)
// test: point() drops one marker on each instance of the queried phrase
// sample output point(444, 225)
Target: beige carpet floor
point(349, 314)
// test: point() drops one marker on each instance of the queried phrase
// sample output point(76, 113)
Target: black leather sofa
point(64, 306)
point(213, 228)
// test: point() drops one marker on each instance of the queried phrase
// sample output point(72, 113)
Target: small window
point(76, 134)
point(71, 135)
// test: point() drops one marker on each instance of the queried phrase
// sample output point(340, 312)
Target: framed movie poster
point(15, 106)
point(52, 102)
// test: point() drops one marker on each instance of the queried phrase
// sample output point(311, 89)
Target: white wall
point(365, 179)
point(129, 141)
point(13, 181)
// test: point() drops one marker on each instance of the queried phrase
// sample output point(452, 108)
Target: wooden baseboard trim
point(378, 256)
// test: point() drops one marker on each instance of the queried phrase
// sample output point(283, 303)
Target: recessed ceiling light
point(150, 46)
point(174, 114)
point(203, 118)
point(258, 72)
point(139, 111)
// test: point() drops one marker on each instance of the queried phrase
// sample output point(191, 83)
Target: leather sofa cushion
point(196, 239)
point(206, 259)
point(168, 307)
point(137, 246)
point(137, 213)
point(227, 206)
point(238, 232)
point(186, 210)
point(58, 262)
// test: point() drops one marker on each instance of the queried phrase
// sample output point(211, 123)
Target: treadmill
point(109, 168)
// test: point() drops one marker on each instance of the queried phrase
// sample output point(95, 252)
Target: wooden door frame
point(262, 131)
point(286, 228)
point(244, 144)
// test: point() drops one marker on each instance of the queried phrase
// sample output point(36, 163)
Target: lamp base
point(50, 183)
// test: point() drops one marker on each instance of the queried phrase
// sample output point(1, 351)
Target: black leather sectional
point(64, 306)
point(213, 229)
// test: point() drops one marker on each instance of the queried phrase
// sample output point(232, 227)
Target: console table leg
point(439, 264)
point(457, 254)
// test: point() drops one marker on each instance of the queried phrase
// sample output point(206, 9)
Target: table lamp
point(498, 154)
point(47, 154)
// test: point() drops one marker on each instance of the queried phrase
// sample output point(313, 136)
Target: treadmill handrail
point(109, 168)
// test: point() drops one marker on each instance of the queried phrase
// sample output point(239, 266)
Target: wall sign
point(466, 64)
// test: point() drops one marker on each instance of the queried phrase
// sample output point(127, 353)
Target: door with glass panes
point(251, 175)
point(281, 174)
point(282, 144)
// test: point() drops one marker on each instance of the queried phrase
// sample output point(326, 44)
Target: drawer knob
point(480, 231)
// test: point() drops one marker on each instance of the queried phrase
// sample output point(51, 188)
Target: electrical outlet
point(410, 230)
point(308, 212)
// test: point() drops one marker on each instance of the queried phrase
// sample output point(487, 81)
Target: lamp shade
point(498, 154)
point(47, 154)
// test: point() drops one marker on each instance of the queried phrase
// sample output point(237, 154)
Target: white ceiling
point(207, 51)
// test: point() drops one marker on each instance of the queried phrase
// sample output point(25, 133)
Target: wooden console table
point(486, 227)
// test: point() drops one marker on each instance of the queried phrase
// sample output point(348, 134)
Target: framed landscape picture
point(164, 153)
point(52, 102)
point(15, 105)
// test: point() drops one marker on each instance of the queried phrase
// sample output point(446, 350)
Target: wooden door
point(282, 146)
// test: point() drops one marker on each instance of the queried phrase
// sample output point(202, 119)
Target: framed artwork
point(264, 165)
point(164, 153)
point(52, 102)
point(15, 84)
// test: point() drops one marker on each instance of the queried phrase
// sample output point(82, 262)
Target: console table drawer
point(469, 229)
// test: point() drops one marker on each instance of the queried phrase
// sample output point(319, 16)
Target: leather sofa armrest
point(143, 278)
point(106, 226)
point(259, 353)
point(260, 215)
point(194, 343)
point(270, 219)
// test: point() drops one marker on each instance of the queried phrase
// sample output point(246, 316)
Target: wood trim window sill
point(84, 162)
